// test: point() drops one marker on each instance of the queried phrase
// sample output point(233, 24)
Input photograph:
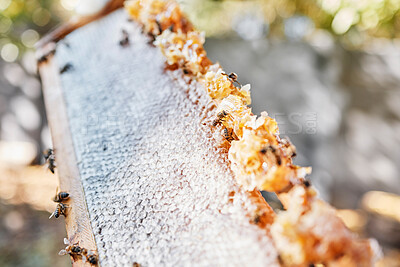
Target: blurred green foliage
point(22, 22)
point(352, 21)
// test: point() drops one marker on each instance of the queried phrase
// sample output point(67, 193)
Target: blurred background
point(327, 70)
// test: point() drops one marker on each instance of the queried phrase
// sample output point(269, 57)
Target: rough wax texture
point(157, 181)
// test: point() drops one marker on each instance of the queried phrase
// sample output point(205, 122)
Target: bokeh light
point(69, 4)
point(41, 16)
point(29, 37)
point(4, 4)
point(9, 52)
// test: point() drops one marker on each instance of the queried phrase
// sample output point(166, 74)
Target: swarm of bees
point(50, 158)
point(77, 252)
point(61, 207)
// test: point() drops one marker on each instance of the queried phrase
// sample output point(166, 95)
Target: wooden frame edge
point(77, 220)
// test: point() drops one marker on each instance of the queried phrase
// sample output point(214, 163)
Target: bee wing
point(83, 259)
point(62, 252)
point(52, 215)
point(66, 241)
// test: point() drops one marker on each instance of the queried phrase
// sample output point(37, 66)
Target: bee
point(46, 56)
point(48, 153)
point(160, 30)
point(229, 135)
point(71, 249)
point(220, 117)
point(306, 183)
point(125, 38)
point(257, 219)
point(289, 147)
point(50, 158)
point(66, 68)
point(91, 257)
point(135, 264)
point(274, 151)
point(232, 77)
point(75, 251)
point(60, 197)
point(60, 210)
point(52, 165)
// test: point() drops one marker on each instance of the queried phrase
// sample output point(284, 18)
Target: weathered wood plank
point(77, 219)
point(154, 172)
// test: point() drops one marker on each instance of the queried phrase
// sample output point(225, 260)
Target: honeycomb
point(158, 186)
point(259, 158)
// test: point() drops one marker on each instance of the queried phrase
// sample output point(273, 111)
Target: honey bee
point(229, 135)
point(60, 210)
point(61, 196)
point(66, 68)
point(125, 38)
point(274, 151)
point(220, 117)
point(257, 219)
point(160, 30)
point(73, 250)
point(232, 77)
point(289, 147)
point(50, 158)
point(46, 56)
point(48, 153)
point(91, 257)
point(135, 264)
point(306, 183)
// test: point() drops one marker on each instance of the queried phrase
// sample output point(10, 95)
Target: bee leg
point(51, 169)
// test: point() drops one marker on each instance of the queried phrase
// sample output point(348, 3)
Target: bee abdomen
point(63, 195)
